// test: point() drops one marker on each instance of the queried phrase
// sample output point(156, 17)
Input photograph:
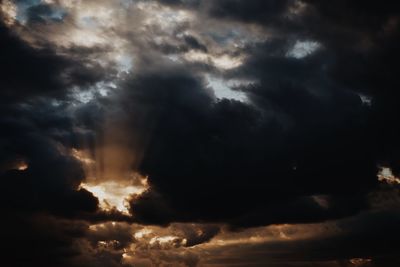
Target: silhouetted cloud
point(235, 127)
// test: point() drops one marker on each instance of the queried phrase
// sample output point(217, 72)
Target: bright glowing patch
point(9, 11)
point(142, 233)
point(386, 175)
point(124, 63)
point(86, 38)
point(224, 62)
point(167, 241)
point(113, 194)
point(100, 89)
point(108, 244)
point(223, 88)
point(360, 261)
point(163, 17)
point(197, 56)
point(303, 48)
point(22, 166)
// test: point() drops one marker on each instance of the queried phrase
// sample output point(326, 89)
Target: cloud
point(240, 114)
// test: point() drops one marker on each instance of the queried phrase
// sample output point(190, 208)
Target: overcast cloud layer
point(199, 133)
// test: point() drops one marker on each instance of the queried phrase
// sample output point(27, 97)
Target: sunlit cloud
point(100, 89)
point(386, 175)
point(22, 166)
point(80, 155)
point(163, 17)
point(112, 192)
point(168, 240)
point(360, 261)
point(114, 195)
point(168, 245)
point(224, 62)
point(142, 233)
point(225, 88)
point(108, 244)
point(9, 11)
point(302, 49)
point(111, 122)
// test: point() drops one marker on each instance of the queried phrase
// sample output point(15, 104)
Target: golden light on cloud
point(224, 62)
point(82, 157)
point(110, 169)
point(22, 166)
point(142, 233)
point(108, 243)
point(360, 261)
point(164, 240)
point(114, 195)
point(386, 175)
point(9, 11)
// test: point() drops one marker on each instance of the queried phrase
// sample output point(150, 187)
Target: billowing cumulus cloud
point(199, 133)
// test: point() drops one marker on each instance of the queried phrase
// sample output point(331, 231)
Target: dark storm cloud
point(52, 241)
point(307, 133)
point(370, 236)
point(363, 37)
point(190, 3)
point(25, 70)
point(223, 160)
point(36, 126)
point(45, 211)
point(51, 180)
point(29, 72)
point(31, 130)
point(39, 240)
point(196, 235)
point(119, 232)
point(194, 43)
point(305, 147)
point(37, 130)
point(187, 43)
point(249, 11)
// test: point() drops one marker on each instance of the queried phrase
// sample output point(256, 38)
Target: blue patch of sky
point(56, 13)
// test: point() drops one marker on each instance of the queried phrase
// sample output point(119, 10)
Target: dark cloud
point(194, 43)
point(30, 135)
point(196, 235)
point(190, 3)
point(29, 72)
point(51, 241)
point(320, 116)
point(307, 133)
point(278, 151)
point(249, 11)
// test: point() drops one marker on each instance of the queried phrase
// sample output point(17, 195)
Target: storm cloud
point(199, 133)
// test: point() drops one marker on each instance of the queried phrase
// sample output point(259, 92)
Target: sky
point(199, 133)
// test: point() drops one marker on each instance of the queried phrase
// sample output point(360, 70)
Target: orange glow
point(114, 195)
point(22, 166)
point(82, 157)
point(110, 178)
point(108, 244)
point(142, 233)
point(360, 261)
point(386, 175)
